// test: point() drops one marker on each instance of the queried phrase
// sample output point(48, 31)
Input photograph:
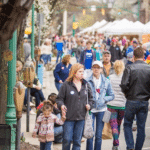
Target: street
point(49, 87)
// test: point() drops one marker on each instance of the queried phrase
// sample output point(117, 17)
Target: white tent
point(107, 26)
point(146, 29)
point(120, 27)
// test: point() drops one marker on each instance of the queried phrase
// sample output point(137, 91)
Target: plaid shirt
point(46, 127)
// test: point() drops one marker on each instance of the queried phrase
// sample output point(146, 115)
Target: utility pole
point(146, 5)
point(65, 22)
point(73, 31)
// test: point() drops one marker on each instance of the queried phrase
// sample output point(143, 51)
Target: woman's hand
point(63, 108)
point(34, 135)
point(88, 107)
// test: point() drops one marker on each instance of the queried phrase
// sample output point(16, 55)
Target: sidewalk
point(49, 87)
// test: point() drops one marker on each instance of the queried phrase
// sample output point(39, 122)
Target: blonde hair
point(19, 64)
point(47, 106)
point(73, 71)
point(119, 66)
point(66, 59)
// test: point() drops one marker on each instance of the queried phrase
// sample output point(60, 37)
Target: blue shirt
point(61, 72)
point(146, 54)
point(88, 59)
point(59, 46)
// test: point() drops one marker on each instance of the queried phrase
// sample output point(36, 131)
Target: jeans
point(98, 134)
point(46, 58)
point(140, 109)
point(38, 94)
point(58, 132)
point(58, 85)
point(116, 118)
point(59, 54)
point(72, 129)
point(45, 146)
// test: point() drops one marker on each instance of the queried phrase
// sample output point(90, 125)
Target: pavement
point(49, 87)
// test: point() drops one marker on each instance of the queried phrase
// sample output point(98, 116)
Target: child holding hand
point(45, 125)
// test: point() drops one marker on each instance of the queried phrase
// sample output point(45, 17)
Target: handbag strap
point(87, 93)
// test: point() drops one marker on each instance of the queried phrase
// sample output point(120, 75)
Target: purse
point(107, 132)
point(88, 128)
point(106, 116)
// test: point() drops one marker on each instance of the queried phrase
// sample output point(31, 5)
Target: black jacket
point(74, 101)
point(115, 53)
point(135, 82)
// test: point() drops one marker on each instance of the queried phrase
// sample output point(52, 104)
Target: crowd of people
point(112, 74)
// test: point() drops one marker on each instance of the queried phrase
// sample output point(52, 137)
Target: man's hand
point(60, 81)
point(87, 107)
point(38, 88)
point(63, 108)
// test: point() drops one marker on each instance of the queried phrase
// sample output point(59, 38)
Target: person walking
point(115, 51)
point(45, 126)
point(117, 106)
point(86, 58)
point(100, 87)
point(72, 99)
point(107, 64)
point(59, 47)
point(61, 71)
point(134, 85)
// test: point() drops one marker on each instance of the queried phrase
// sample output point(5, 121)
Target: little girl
point(45, 125)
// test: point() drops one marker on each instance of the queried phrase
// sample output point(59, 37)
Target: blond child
point(45, 125)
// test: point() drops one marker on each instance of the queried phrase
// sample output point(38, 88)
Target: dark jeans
point(45, 146)
point(59, 54)
point(140, 109)
point(46, 58)
point(38, 94)
point(98, 134)
point(58, 85)
point(72, 129)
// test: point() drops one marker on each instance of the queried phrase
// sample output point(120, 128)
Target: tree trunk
point(3, 82)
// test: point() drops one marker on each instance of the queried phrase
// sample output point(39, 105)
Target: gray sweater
point(120, 99)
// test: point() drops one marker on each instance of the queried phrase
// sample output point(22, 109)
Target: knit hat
point(130, 55)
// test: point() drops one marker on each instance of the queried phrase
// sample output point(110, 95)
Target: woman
point(61, 71)
point(117, 106)
point(72, 99)
point(100, 88)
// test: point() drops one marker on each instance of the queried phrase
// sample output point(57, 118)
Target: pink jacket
point(46, 127)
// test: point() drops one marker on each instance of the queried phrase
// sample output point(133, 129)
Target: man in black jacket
point(136, 87)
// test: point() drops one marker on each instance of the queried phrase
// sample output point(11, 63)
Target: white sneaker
point(32, 112)
point(31, 104)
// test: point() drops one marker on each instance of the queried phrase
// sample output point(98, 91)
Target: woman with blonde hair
point(117, 106)
point(72, 99)
point(61, 71)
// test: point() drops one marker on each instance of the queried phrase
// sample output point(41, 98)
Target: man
point(132, 47)
point(59, 46)
point(27, 49)
point(134, 85)
point(108, 65)
point(130, 58)
point(115, 51)
point(86, 58)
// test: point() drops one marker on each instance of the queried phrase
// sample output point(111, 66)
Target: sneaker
point(32, 112)
point(31, 104)
point(82, 140)
point(116, 148)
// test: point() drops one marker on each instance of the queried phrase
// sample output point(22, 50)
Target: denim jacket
point(105, 89)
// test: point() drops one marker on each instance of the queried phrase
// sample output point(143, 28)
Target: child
point(98, 52)
point(45, 125)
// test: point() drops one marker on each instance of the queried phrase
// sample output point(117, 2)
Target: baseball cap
point(106, 52)
point(99, 63)
point(96, 45)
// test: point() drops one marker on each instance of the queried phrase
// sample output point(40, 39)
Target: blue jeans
point(72, 129)
point(140, 109)
point(58, 132)
point(45, 146)
point(58, 85)
point(38, 94)
point(46, 58)
point(59, 54)
point(98, 134)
